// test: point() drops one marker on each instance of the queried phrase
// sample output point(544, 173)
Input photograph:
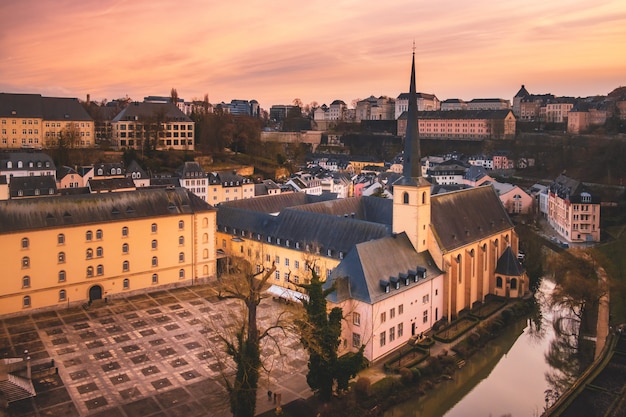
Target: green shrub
point(416, 373)
point(363, 387)
point(406, 376)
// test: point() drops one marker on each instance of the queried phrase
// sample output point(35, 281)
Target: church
point(398, 265)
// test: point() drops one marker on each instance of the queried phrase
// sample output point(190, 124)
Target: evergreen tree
point(320, 333)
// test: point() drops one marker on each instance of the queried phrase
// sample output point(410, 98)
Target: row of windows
point(24, 121)
point(99, 253)
point(99, 235)
point(26, 300)
point(383, 315)
point(383, 335)
point(31, 164)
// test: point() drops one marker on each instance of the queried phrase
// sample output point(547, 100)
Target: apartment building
point(228, 186)
point(573, 211)
point(425, 102)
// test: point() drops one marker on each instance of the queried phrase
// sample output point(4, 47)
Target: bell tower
point(411, 192)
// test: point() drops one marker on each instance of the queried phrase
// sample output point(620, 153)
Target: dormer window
point(384, 285)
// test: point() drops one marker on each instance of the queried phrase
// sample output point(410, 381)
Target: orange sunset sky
point(274, 51)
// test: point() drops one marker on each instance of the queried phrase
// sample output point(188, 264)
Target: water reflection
point(535, 356)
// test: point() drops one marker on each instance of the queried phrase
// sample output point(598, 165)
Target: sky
point(276, 51)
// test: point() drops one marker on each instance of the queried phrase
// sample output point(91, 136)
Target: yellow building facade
point(68, 250)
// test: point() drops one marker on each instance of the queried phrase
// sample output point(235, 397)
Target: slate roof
point(32, 186)
point(227, 179)
point(372, 209)
point(57, 211)
point(509, 265)
point(425, 96)
point(57, 108)
point(13, 384)
point(275, 203)
point(110, 184)
point(570, 189)
point(462, 217)
point(191, 169)
point(474, 173)
point(141, 111)
point(522, 92)
point(20, 105)
point(37, 158)
point(360, 273)
point(135, 167)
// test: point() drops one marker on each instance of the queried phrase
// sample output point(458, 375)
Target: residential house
point(517, 100)
point(337, 110)
point(24, 187)
point(573, 211)
point(558, 108)
point(26, 164)
point(137, 174)
point(306, 183)
point(193, 178)
point(68, 177)
point(228, 186)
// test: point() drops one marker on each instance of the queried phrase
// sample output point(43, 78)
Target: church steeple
point(411, 192)
point(411, 166)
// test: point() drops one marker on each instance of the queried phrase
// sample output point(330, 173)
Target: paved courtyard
point(148, 355)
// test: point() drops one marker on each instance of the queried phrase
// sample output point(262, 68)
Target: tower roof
point(411, 166)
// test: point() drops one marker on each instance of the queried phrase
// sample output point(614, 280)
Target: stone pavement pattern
point(148, 355)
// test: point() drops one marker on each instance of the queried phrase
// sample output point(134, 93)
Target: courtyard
point(149, 355)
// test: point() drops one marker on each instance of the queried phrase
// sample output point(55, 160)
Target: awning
point(286, 293)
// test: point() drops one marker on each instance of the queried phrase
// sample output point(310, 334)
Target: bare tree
point(243, 284)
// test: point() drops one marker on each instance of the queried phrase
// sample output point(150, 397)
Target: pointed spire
point(412, 164)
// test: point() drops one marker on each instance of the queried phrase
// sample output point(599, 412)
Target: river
point(510, 377)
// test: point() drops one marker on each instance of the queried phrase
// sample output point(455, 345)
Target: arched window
point(9, 164)
point(26, 301)
point(125, 266)
point(154, 244)
point(25, 281)
point(25, 262)
point(89, 271)
point(99, 252)
point(100, 270)
point(181, 225)
point(61, 239)
point(62, 276)
point(62, 295)
point(89, 253)
point(153, 227)
point(181, 257)
point(205, 254)
point(181, 240)
point(423, 198)
point(205, 238)
point(405, 198)
point(25, 243)
point(155, 261)
point(125, 248)
point(88, 235)
point(181, 274)
point(205, 270)
point(513, 283)
point(205, 222)
point(155, 279)
point(124, 231)
point(126, 284)
point(99, 234)
point(61, 257)
point(498, 282)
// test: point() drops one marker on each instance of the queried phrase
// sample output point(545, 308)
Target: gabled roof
point(475, 173)
point(372, 209)
point(276, 203)
point(143, 111)
point(59, 211)
point(509, 265)
point(32, 186)
point(39, 160)
point(136, 168)
point(522, 92)
point(360, 273)
point(461, 217)
point(21, 105)
point(56, 108)
point(110, 184)
point(191, 169)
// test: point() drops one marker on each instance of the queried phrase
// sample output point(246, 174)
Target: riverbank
point(376, 390)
